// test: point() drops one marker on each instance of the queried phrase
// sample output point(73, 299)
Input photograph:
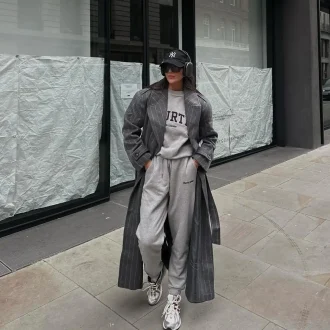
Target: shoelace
point(172, 307)
point(153, 287)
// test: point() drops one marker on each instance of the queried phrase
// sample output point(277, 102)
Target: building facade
point(69, 69)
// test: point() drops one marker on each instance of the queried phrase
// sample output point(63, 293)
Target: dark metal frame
point(102, 194)
point(320, 71)
point(146, 50)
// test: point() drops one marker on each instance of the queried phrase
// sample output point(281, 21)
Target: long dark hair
point(188, 84)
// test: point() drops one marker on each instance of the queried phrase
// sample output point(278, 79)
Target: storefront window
point(163, 28)
point(126, 27)
point(52, 78)
point(126, 69)
point(232, 72)
point(130, 62)
point(163, 33)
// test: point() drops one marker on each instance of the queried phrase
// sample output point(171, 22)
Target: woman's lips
point(171, 76)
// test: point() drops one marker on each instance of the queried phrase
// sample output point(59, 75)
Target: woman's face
point(173, 74)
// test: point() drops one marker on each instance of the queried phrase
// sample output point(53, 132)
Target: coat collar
point(157, 110)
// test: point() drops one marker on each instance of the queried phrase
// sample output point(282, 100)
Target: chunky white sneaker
point(171, 314)
point(155, 289)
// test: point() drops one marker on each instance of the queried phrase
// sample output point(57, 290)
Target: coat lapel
point(157, 112)
point(193, 112)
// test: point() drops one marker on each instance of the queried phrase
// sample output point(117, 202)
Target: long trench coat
point(148, 109)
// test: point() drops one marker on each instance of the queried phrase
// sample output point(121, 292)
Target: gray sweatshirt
point(176, 142)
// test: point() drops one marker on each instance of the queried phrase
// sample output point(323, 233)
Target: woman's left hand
point(196, 163)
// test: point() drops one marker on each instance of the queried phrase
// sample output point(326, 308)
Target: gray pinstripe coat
point(148, 109)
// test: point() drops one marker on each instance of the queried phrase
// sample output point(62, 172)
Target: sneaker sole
point(172, 329)
point(160, 297)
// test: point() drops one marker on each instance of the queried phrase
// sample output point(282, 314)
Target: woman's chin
point(172, 81)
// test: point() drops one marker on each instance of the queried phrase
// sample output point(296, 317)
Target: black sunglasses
point(173, 68)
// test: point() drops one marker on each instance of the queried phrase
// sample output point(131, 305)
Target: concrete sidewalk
point(272, 270)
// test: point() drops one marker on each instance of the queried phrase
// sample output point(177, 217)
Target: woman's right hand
point(147, 164)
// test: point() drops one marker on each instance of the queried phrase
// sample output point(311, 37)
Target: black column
point(255, 37)
point(296, 73)
point(189, 28)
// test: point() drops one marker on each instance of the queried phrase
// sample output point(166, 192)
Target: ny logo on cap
point(172, 54)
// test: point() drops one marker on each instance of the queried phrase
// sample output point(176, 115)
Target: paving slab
point(279, 155)
point(320, 235)
point(272, 326)
point(321, 167)
point(260, 207)
point(255, 249)
point(317, 208)
point(302, 225)
point(320, 279)
point(300, 187)
point(319, 190)
point(298, 163)
point(116, 235)
point(4, 270)
point(278, 197)
point(300, 256)
point(322, 160)
point(326, 181)
point(227, 172)
point(121, 197)
point(231, 205)
point(240, 235)
point(93, 265)
point(30, 288)
point(76, 310)
point(310, 175)
point(247, 166)
point(275, 218)
point(217, 314)
point(216, 183)
point(304, 174)
point(316, 153)
point(266, 180)
point(236, 187)
point(282, 171)
point(234, 271)
point(287, 300)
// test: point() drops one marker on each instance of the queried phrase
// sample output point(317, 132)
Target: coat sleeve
point(208, 135)
point(134, 118)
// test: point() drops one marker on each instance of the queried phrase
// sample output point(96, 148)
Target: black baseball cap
point(176, 57)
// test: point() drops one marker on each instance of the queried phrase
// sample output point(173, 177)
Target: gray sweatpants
point(169, 190)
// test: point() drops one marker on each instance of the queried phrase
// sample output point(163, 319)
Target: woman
point(171, 220)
